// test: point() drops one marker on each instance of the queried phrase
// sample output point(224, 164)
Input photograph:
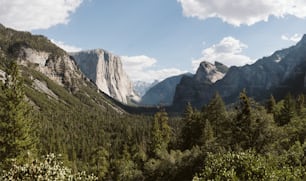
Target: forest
point(77, 138)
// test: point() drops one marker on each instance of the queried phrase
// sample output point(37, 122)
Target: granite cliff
point(105, 69)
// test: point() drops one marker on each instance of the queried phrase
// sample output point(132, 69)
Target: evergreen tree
point(100, 162)
point(300, 104)
point(15, 122)
point(217, 115)
point(191, 131)
point(287, 112)
point(252, 126)
point(271, 105)
point(160, 134)
point(207, 134)
point(242, 124)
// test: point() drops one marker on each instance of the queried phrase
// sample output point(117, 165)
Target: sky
point(160, 38)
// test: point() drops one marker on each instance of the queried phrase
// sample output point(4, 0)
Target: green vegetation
point(11, 41)
point(15, 126)
point(96, 138)
point(244, 143)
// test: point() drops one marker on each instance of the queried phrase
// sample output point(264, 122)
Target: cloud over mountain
point(294, 38)
point(246, 12)
point(143, 68)
point(36, 14)
point(64, 46)
point(228, 51)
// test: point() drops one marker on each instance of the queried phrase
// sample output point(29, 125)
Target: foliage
point(247, 166)
point(96, 136)
point(50, 168)
point(15, 122)
point(288, 111)
point(161, 133)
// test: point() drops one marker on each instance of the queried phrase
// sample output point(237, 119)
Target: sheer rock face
point(282, 72)
point(105, 69)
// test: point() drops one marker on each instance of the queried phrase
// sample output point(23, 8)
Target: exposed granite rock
point(210, 73)
point(59, 68)
point(105, 69)
point(42, 87)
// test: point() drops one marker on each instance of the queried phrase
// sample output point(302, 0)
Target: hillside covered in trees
point(244, 141)
point(56, 125)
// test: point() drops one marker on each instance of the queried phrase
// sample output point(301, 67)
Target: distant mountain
point(141, 87)
point(282, 72)
point(162, 93)
point(105, 69)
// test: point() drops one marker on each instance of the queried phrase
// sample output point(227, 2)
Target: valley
point(79, 112)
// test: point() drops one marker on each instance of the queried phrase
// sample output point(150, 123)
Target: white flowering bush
point(49, 169)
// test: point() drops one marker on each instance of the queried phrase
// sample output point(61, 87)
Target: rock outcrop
point(105, 69)
point(210, 73)
point(59, 68)
point(282, 72)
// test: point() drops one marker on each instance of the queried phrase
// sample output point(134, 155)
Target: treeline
point(243, 141)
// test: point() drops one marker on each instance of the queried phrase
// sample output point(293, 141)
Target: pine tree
point(271, 105)
point(161, 133)
point(242, 125)
point(15, 124)
point(207, 134)
point(300, 101)
point(217, 115)
point(191, 131)
point(287, 112)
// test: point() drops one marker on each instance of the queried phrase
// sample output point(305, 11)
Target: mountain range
point(278, 74)
point(102, 72)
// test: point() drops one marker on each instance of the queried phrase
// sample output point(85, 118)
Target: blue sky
point(159, 38)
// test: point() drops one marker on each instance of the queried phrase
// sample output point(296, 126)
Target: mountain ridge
point(266, 76)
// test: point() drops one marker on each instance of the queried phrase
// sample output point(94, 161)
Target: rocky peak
point(105, 69)
point(210, 73)
point(303, 40)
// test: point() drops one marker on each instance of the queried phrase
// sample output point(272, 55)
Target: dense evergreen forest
point(76, 138)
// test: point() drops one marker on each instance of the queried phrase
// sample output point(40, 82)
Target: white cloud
point(228, 51)
point(142, 68)
point(67, 48)
point(240, 12)
point(295, 38)
point(36, 14)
